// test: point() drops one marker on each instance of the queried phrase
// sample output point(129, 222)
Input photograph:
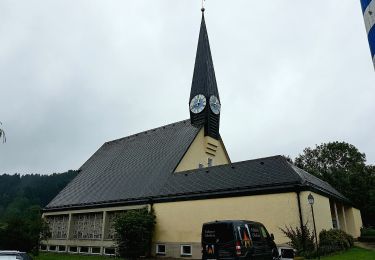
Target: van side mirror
point(272, 237)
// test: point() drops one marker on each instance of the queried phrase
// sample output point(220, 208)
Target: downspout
point(151, 210)
point(300, 219)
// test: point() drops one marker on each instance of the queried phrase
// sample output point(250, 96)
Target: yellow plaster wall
point(182, 221)
point(202, 148)
point(353, 221)
point(322, 212)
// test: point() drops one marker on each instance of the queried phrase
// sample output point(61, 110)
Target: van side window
point(255, 233)
point(221, 233)
point(239, 232)
point(244, 235)
point(264, 232)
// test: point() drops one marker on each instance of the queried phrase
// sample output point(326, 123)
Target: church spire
point(204, 95)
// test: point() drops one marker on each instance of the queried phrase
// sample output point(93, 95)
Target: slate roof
point(140, 168)
point(204, 80)
point(263, 175)
point(132, 167)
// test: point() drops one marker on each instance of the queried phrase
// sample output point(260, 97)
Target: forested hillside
point(32, 189)
point(21, 201)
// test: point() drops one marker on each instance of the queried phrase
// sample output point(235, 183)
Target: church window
point(73, 249)
point(160, 249)
point(95, 250)
point(186, 250)
point(84, 249)
point(109, 251)
point(87, 226)
point(111, 218)
point(58, 226)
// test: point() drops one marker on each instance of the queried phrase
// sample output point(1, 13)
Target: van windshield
point(217, 233)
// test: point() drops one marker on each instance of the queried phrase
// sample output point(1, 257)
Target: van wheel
point(275, 254)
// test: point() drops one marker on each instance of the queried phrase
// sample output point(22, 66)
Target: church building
point(184, 172)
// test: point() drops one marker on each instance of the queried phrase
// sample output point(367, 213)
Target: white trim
point(96, 210)
point(182, 251)
point(157, 249)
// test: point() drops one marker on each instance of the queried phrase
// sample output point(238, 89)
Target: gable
point(201, 150)
point(132, 167)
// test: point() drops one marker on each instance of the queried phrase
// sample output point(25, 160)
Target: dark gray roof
point(132, 167)
point(317, 183)
point(204, 80)
point(263, 175)
point(118, 173)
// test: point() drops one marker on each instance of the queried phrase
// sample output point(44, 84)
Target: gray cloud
point(75, 74)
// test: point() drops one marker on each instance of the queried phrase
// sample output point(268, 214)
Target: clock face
point(197, 104)
point(215, 104)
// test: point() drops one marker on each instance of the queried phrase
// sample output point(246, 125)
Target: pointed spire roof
point(204, 80)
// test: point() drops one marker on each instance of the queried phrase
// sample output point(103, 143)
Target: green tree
point(23, 229)
point(344, 167)
point(21, 200)
point(134, 231)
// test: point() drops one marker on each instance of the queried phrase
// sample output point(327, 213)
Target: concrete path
point(366, 245)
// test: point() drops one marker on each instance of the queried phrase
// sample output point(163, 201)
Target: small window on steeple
point(210, 162)
point(200, 166)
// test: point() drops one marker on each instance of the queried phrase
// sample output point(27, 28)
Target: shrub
point(134, 230)
point(301, 239)
point(334, 240)
point(367, 232)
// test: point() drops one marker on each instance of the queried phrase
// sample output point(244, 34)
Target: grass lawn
point(56, 256)
point(354, 253)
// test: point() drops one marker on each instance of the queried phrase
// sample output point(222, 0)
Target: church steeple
point(204, 95)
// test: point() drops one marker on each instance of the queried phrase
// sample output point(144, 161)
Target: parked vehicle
point(237, 239)
point(14, 255)
point(286, 252)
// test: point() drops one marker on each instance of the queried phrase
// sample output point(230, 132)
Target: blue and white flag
point(368, 8)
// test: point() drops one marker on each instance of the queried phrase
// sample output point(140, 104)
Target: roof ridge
point(232, 164)
point(310, 183)
point(291, 166)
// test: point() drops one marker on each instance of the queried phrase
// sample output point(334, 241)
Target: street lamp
point(310, 198)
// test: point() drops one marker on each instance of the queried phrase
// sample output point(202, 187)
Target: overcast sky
point(75, 74)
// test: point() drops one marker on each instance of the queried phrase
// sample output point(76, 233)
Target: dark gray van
point(237, 239)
